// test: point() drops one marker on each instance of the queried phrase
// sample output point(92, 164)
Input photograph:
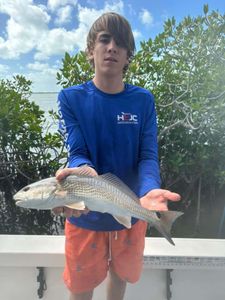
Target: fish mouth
point(22, 204)
point(18, 201)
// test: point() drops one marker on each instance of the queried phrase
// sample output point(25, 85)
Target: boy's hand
point(69, 212)
point(157, 199)
point(62, 173)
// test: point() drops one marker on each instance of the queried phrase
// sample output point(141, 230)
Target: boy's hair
point(118, 27)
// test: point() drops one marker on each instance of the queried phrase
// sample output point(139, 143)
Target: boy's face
point(109, 58)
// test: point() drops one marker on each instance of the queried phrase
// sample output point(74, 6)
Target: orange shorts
point(89, 255)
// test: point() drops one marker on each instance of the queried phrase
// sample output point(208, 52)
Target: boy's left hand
point(157, 199)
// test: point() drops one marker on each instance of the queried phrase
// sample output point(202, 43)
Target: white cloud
point(137, 34)
point(25, 27)
point(116, 7)
point(37, 66)
point(28, 28)
point(87, 16)
point(4, 69)
point(146, 17)
point(53, 5)
point(59, 41)
point(25, 12)
point(42, 82)
point(43, 68)
point(64, 15)
point(131, 10)
point(43, 76)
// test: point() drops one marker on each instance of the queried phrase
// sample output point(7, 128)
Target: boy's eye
point(104, 39)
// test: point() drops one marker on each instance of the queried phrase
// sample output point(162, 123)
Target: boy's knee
point(81, 296)
point(116, 278)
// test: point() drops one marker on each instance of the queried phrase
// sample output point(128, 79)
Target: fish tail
point(166, 220)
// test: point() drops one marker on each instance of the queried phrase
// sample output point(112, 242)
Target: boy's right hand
point(69, 212)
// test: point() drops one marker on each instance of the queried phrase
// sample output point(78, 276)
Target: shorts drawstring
point(110, 247)
point(110, 244)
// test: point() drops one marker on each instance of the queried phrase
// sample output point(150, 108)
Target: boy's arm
point(152, 196)
point(77, 149)
point(72, 134)
point(148, 167)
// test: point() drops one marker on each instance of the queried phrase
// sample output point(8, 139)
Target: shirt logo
point(127, 118)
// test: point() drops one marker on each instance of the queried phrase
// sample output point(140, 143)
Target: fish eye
point(26, 189)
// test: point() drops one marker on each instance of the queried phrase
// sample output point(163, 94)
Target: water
point(47, 102)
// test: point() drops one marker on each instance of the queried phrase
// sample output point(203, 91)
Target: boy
point(111, 127)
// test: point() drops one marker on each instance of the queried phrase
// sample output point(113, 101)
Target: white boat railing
point(31, 268)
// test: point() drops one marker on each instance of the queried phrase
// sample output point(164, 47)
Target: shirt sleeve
point(72, 134)
point(148, 167)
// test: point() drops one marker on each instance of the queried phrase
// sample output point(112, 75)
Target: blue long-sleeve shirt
point(114, 133)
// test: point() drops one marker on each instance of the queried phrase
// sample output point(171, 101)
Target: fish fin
point(166, 220)
point(125, 221)
point(119, 184)
point(77, 205)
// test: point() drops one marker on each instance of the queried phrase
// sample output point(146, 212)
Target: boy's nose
point(112, 46)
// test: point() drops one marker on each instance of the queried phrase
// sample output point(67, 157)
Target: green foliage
point(27, 153)
point(184, 67)
point(76, 70)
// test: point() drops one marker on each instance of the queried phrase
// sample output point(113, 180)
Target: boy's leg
point(115, 287)
point(82, 296)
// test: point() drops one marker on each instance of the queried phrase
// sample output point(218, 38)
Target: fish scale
point(100, 189)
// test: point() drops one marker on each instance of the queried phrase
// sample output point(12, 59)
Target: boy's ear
point(90, 55)
point(127, 62)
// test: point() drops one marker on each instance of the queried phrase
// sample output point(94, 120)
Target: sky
point(35, 34)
